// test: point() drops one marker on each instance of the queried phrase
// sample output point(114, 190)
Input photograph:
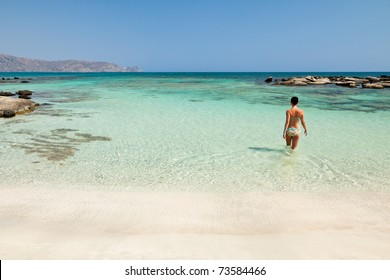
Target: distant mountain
point(9, 63)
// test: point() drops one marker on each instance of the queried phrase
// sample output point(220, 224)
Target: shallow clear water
point(194, 132)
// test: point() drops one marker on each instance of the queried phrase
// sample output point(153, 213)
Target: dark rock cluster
point(6, 93)
point(10, 106)
point(15, 80)
point(351, 82)
point(25, 94)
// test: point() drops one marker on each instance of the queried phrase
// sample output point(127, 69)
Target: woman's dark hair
point(294, 100)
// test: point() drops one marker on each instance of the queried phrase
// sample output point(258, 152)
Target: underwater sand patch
point(56, 145)
point(48, 111)
point(73, 97)
point(15, 121)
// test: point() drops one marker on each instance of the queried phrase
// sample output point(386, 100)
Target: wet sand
point(45, 223)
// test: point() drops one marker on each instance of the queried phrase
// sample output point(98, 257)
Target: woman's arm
point(304, 123)
point(286, 124)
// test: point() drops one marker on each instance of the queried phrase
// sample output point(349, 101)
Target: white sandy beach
point(44, 223)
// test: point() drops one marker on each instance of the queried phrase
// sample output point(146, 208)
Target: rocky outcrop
point(373, 79)
point(385, 78)
point(14, 80)
point(351, 82)
point(7, 113)
point(346, 84)
point(268, 80)
point(25, 94)
point(10, 106)
point(319, 81)
point(6, 93)
point(373, 85)
point(386, 84)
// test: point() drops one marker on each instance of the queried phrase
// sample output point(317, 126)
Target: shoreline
point(43, 223)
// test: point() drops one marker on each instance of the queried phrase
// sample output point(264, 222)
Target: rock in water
point(373, 79)
point(16, 105)
point(268, 80)
point(8, 114)
point(386, 85)
point(24, 96)
point(310, 79)
point(24, 92)
point(6, 93)
point(374, 86)
point(346, 84)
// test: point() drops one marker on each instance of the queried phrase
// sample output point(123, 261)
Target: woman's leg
point(288, 140)
point(295, 140)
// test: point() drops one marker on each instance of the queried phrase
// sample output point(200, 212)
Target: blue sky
point(203, 35)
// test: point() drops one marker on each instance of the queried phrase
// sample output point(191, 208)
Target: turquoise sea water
point(194, 132)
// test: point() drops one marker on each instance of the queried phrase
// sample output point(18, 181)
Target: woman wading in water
point(291, 130)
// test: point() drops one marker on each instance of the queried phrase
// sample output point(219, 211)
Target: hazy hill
point(9, 63)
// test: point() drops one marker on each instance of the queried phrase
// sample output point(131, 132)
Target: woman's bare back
point(295, 116)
